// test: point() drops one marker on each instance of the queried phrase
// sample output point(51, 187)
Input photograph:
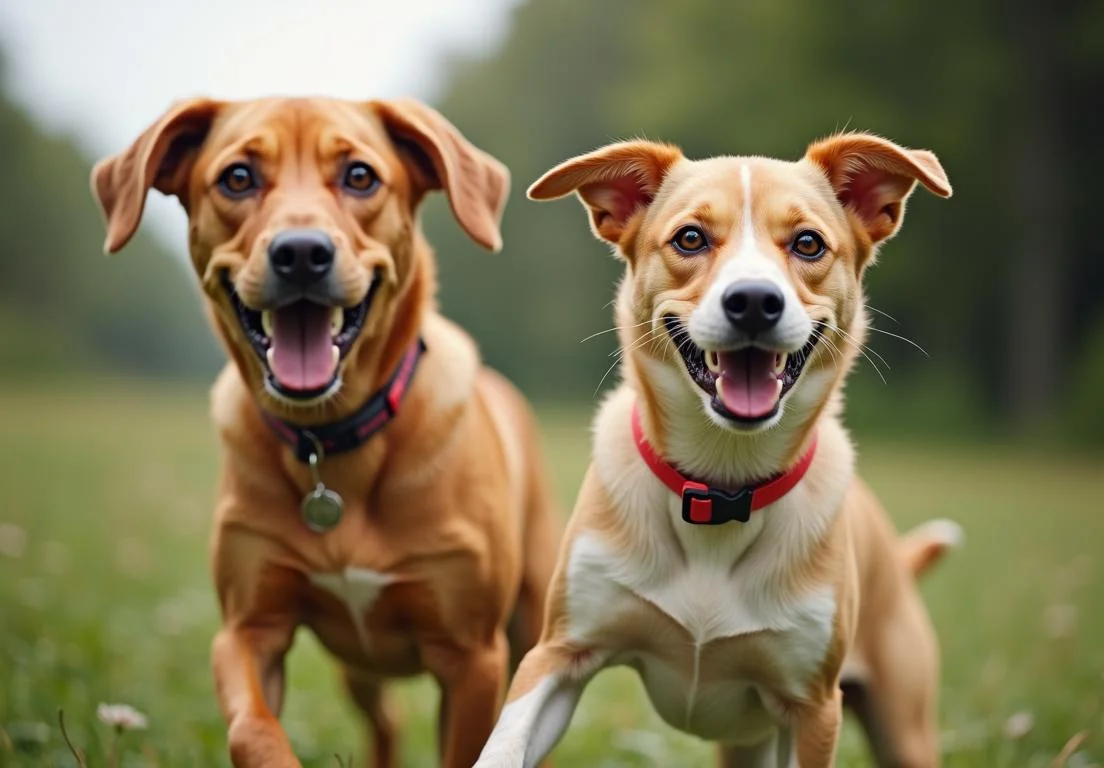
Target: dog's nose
point(301, 256)
point(753, 306)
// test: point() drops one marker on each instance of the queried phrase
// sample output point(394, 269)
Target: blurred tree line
point(65, 308)
point(1001, 284)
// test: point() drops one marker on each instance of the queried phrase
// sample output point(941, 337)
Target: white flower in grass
point(1019, 725)
point(122, 717)
point(1060, 620)
point(13, 540)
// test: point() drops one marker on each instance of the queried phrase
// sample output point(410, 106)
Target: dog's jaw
point(254, 331)
point(704, 443)
point(703, 367)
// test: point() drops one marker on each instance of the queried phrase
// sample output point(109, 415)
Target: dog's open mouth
point(747, 385)
point(303, 343)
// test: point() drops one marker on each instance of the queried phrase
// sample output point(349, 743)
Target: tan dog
point(740, 313)
point(304, 234)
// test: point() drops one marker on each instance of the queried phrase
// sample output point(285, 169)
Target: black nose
point(753, 306)
point(301, 256)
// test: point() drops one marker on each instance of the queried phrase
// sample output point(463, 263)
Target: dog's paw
point(260, 743)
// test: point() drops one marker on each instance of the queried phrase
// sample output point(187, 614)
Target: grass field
point(105, 597)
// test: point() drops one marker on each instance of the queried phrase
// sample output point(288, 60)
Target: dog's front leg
point(816, 731)
point(259, 621)
point(249, 680)
point(472, 682)
point(542, 699)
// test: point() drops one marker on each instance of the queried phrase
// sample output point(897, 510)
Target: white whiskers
point(619, 353)
point(611, 330)
point(902, 338)
point(862, 348)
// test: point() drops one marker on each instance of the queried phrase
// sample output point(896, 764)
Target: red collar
point(703, 505)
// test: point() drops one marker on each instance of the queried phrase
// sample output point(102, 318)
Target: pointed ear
point(475, 183)
point(874, 177)
point(613, 182)
point(161, 158)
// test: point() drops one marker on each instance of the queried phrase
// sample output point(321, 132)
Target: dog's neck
point(675, 422)
point(376, 357)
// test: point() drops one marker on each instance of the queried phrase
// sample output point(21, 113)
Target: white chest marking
point(711, 600)
point(358, 588)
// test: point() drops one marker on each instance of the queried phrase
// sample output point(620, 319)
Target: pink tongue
point(748, 385)
point(302, 356)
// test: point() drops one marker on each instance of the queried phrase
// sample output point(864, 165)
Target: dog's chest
point(374, 611)
point(357, 589)
point(709, 637)
point(348, 615)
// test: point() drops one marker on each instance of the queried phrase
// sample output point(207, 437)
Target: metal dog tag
point(321, 508)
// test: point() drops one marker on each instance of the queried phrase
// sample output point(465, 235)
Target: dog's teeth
point(270, 355)
point(713, 361)
point(266, 322)
point(720, 392)
point(336, 355)
point(780, 362)
point(337, 320)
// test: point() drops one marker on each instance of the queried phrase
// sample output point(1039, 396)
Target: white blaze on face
point(746, 349)
point(710, 328)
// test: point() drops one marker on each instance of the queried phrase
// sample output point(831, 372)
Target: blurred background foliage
point(1001, 285)
point(64, 307)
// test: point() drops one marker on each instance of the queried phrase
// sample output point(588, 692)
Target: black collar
point(357, 428)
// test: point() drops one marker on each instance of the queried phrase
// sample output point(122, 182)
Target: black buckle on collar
point(702, 505)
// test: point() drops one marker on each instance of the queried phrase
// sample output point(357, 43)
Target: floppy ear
point(160, 158)
point(475, 183)
point(874, 177)
point(613, 182)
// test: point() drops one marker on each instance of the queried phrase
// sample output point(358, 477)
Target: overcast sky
point(105, 69)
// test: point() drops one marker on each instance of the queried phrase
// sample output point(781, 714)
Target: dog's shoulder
point(233, 409)
point(450, 352)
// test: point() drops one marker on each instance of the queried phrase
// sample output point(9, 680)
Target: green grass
point(105, 596)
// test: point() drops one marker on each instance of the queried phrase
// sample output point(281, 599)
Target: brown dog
point(743, 596)
point(303, 231)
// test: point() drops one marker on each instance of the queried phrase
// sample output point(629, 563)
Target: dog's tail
point(925, 544)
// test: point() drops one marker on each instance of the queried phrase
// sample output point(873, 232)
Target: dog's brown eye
point(360, 179)
point(689, 241)
point(808, 245)
point(237, 180)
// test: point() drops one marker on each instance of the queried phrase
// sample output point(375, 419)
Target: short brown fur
point(449, 503)
point(851, 189)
